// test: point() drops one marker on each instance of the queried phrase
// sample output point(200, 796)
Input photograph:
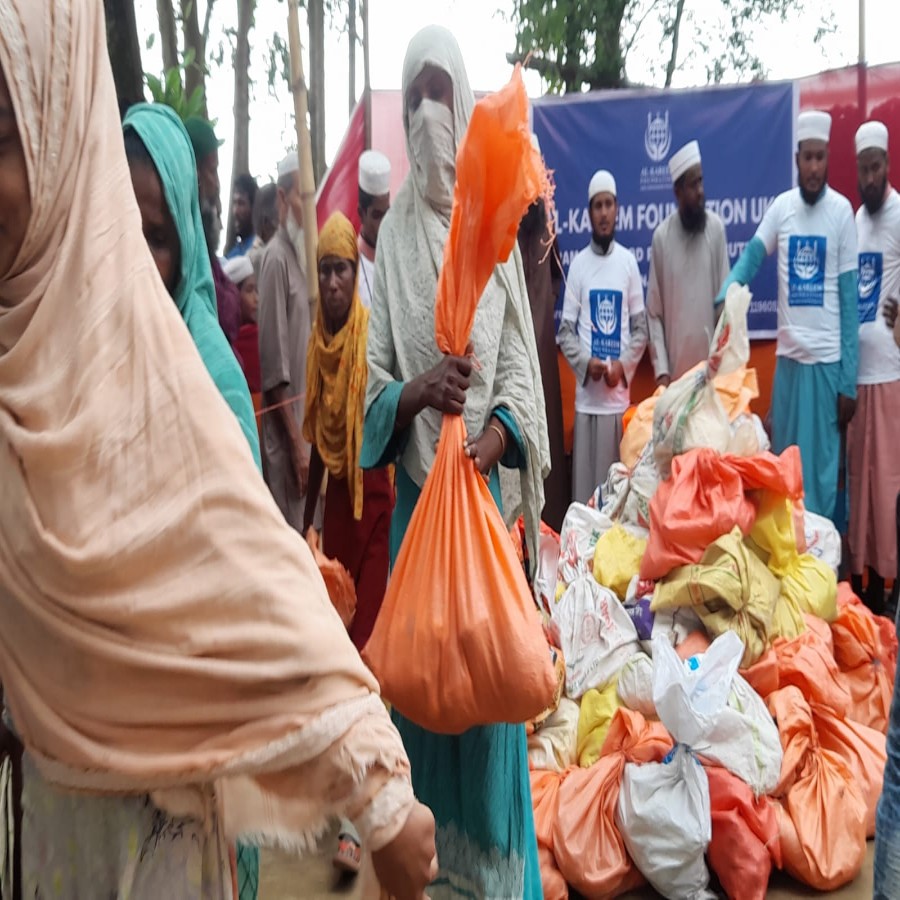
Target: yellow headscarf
point(336, 374)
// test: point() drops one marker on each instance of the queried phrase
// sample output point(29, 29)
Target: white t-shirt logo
point(806, 270)
point(806, 265)
point(606, 324)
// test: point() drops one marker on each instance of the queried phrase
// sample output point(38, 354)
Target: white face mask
point(434, 153)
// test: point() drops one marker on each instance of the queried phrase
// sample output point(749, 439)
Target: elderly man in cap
point(374, 202)
point(284, 319)
point(603, 335)
point(206, 152)
point(814, 393)
point(874, 434)
point(688, 263)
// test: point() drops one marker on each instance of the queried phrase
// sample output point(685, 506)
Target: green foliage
point(577, 45)
point(170, 90)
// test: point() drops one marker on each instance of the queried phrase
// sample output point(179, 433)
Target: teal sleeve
point(514, 457)
point(849, 296)
point(381, 446)
point(745, 268)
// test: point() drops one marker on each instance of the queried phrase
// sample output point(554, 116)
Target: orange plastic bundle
point(861, 748)
point(545, 799)
point(338, 581)
point(821, 809)
point(587, 845)
point(459, 642)
point(858, 652)
point(807, 664)
point(745, 840)
point(705, 497)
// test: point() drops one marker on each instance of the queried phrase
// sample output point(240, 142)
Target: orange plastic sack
point(861, 748)
point(459, 642)
point(762, 676)
point(745, 840)
point(587, 845)
point(821, 808)
point(858, 653)
point(338, 581)
point(706, 497)
point(545, 800)
point(807, 664)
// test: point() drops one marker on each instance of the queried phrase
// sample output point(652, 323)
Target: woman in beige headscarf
point(168, 654)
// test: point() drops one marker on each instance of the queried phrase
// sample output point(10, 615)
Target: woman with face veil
point(169, 656)
point(476, 783)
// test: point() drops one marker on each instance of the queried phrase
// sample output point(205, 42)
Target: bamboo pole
point(304, 149)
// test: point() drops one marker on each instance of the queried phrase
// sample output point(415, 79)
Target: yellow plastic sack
point(730, 589)
point(807, 584)
point(617, 558)
point(736, 390)
point(597, 711)
point(787, 620)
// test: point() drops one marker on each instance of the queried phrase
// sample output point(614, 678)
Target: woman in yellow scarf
point(358, 504)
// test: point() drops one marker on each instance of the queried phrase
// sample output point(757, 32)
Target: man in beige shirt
point(284, 327)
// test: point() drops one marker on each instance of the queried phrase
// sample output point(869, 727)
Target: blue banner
point(746, 141)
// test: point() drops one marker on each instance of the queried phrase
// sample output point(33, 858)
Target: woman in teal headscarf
point(164, 176)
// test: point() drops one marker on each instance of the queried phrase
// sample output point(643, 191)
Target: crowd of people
point(175, 422)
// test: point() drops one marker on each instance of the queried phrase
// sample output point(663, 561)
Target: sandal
point(348, 856)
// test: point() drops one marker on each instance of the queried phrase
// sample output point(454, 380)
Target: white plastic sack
point(675, 624)
point(689, 414)
point(663, 815)
point(597, 635)
point(581, 530)
point(546, 571)
point(635, 685)
point(554, 746)
point(691, 695)
point(748, 436)
point(744, 738)
point(822, 539)
point(628, 492)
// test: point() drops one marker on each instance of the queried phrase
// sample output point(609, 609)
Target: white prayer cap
point(291, 163)
point(602, 183)
point(871, 136)
point(237, 269)
point(813, 125)
point(687, 157)
point(375, 173)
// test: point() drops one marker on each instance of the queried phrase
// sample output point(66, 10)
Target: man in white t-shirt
point(874, 433)
point(603, 334)
point(374, 202)
point(814, 392)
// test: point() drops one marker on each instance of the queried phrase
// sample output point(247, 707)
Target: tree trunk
point(367, 95)
point(351, 30)
point(673, 58)
point(316, 13)
point(124, 51)
point(168, 34)
point(241, 157)
point(194, 39)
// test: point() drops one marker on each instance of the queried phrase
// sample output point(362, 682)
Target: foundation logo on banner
point(606, 324)
point(806, 270)
point(869, 286)
point(658, 136)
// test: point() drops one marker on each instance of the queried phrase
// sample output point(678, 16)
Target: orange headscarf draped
point(336, 374)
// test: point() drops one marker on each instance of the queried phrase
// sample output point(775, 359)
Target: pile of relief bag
point(725, 701)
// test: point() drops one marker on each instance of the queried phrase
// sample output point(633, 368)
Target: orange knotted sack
point(459, 640)
point(338, 581)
